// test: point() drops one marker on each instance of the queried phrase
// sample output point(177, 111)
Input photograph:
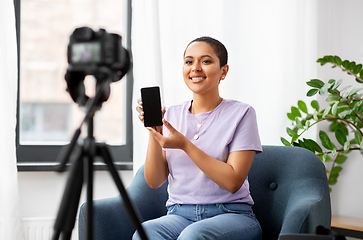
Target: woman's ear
point(224, 69)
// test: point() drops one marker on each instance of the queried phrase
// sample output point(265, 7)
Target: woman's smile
point(197, 79)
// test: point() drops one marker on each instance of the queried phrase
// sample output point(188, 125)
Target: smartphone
point(151, 105)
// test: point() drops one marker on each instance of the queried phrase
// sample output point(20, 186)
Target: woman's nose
point(196, 67)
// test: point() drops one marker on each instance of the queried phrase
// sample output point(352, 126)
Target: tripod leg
point(69, 206)
point(89, 213)
point(132, 214)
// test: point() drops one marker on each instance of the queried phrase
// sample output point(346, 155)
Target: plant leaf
point(336, 169)
point(334, 175)
point(340, 136)
point(354, 91)
point(338, 83)
point(315, 105)
point(312, 92)
point(326, 111)
point(334, 152)
point(332, 97)
point(291, 116)
point(299, 123)
point(345, 64)
point(358, 136)
point(344, 113)
point(295, 111)
point(325, 88)
point(341, 159)
point(315, 83)
point(302, 106)
point(307, 125)
point(325, 140)
point(332, 82)
point(322, 61)
point(325, 157)
point(357, 68)
point(285, 142)
point(290, 132)
point(315, 116)
point(333, 179)
point(337, 60)
point(351, 65)
point(346, 146)
point(334, 108)
point(314, 146)
point(334, 126)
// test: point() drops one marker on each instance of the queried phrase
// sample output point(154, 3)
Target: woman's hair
point(217, 46)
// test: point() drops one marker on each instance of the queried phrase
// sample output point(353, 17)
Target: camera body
point(92, 52)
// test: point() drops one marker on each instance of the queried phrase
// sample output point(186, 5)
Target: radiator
point(42, 229)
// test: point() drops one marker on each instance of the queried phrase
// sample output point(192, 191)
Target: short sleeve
point(246, 136)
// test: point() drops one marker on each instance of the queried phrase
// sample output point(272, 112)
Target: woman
point(205, 149)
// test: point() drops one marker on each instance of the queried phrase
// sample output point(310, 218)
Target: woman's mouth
point(197, 79)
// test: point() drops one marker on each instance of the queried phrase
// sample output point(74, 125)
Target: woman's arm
point(229, 175)
point(156, 169)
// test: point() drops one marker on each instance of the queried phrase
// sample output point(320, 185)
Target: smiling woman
point(205, 150)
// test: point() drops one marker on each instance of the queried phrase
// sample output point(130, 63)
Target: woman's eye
point(188, 62)
point(207, 61)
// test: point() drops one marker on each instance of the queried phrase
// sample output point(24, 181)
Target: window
point(47, 116)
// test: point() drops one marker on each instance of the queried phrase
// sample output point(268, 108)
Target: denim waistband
point(197, 212)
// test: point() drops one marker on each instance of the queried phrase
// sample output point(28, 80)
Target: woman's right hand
point(141, 114)
point(139, 110)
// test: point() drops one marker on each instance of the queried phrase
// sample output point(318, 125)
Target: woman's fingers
point(168, 126)
point(139, 110)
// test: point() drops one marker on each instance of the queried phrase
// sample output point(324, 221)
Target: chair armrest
point(307, 209)
point(110, 217)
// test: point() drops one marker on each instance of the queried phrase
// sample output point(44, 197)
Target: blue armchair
point(288, 184)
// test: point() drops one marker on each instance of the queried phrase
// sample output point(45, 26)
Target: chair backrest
point(280, 179)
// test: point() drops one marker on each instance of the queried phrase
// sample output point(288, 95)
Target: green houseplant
point(344, 114)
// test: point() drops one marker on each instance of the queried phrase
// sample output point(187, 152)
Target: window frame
point(44, 157)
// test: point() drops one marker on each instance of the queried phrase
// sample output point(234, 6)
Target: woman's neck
point(201, 104)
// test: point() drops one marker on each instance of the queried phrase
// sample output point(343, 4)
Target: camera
point(97, 53)
point(89, 50)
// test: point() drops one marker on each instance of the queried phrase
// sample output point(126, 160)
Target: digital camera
point(89, 51)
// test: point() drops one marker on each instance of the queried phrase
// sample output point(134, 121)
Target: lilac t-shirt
point(232, 126)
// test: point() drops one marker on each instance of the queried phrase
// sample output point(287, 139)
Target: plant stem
point(350, 72)
point(349, 123)
point(349, 100)
point(355, 113)
point(338, 150)
point(332, 167)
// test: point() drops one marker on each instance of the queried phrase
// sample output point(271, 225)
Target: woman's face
point(201, 68)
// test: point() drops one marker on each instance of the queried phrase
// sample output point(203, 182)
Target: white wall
point(339, 33)
point(41, 192)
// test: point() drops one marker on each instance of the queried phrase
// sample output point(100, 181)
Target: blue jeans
point(227, 221)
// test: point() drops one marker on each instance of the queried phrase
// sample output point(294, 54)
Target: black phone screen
point(151, 105)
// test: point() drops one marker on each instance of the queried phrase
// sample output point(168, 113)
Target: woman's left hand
point(174, 140)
